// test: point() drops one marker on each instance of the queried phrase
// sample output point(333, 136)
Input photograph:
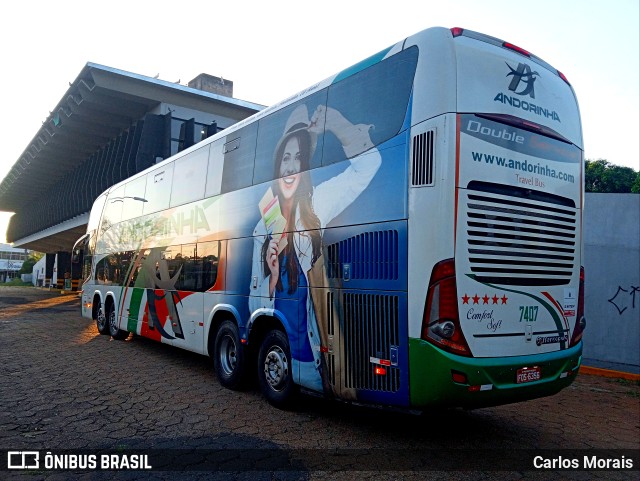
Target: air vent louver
point(423, 150)
point(371, 255)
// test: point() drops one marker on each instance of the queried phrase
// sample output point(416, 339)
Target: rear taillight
point(581, 321)
point(515, 48)
point(456, 31)
point(563, 77)
point(441, 323)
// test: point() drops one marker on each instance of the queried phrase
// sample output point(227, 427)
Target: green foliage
point(27, 265)
point(601, 176)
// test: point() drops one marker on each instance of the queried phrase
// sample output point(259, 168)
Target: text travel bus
point(406, 233)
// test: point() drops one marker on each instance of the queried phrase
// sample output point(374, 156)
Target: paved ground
point(65, 387)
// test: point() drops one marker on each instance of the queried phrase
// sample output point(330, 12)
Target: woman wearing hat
point(281, 263)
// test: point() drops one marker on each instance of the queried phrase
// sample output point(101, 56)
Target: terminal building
point(11, 260)
point(109, 125)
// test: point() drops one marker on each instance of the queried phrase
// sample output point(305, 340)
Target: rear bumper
point(431, 381)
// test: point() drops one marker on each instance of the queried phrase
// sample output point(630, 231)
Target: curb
point(596, 371)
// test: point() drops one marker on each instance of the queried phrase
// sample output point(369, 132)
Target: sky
point(271, 50)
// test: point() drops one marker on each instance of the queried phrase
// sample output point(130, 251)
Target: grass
point(17, 282)
point(630, 383)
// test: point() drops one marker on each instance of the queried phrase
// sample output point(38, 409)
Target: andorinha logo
point(523, 84)
point(524, 75)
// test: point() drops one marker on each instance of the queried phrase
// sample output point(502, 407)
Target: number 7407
point(528, 313)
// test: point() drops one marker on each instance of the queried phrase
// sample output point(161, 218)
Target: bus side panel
point(431, 208)
point(186, 319)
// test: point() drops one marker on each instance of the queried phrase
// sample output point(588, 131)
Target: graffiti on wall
point(624, 299)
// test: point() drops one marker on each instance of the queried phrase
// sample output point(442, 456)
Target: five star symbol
point(485, 299)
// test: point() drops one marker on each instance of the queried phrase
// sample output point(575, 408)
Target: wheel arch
point(96, 302)
point(262, 321)
point(219, 314)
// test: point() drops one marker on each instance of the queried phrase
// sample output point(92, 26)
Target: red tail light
point(563, 77)
point(441, 323)
point(581, 321)
point(456, 31)
point(515, 48)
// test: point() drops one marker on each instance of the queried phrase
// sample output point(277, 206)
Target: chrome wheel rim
point(102, 319)
point(276, 368)
point(228, 355)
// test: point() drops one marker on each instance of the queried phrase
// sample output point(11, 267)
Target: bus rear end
point(503, 303)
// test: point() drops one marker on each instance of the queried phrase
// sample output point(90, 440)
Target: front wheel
point(228, 356)
point(275, 370)
point(114, 329)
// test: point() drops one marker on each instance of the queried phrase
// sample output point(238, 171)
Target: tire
point(101, 319)
point(115, 331)
point(275, 370)
point(229, 360)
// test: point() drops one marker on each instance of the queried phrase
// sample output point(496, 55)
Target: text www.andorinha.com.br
point(522, 166)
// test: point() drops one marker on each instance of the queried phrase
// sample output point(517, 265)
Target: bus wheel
point(115, 331)
point(274, 370)
point(228, 356)
point(101, 319)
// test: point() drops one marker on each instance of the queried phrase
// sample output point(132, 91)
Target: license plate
point(528, 374)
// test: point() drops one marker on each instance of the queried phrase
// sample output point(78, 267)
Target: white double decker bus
point(405, 233)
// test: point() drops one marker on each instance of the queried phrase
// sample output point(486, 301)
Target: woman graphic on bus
point(281, 262)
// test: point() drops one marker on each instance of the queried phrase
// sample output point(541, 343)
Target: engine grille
point(370, 331)
point(519, 237)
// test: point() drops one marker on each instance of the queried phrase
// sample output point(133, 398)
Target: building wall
point(612, 281)
point(11, 260)
point(38, 272)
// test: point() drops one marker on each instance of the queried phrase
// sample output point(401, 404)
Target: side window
point(140, 259)
point(209, 253)
point(134, 198)
point(121, 262)
point(187, 267)
point(189, 276)
point(113, 209)
point(100, 271)
point(276, 129)
point(239, 153)
point(376, 96)
point(87, 258)
point(169, 269)
point(190, 177)
point(96, 213)
point(158, 189)
point(214, 168)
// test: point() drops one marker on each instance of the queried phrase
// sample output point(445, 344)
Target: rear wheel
point(115, 331)
point(275, 370)
point(228, 356)
point(101, 319)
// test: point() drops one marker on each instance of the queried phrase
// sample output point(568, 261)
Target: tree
point(27, 265)
point(601, 176)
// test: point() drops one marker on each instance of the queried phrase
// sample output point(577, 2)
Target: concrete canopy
point(73, 156)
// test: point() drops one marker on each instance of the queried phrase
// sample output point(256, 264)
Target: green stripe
point(431, 383)
point(134, 309)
